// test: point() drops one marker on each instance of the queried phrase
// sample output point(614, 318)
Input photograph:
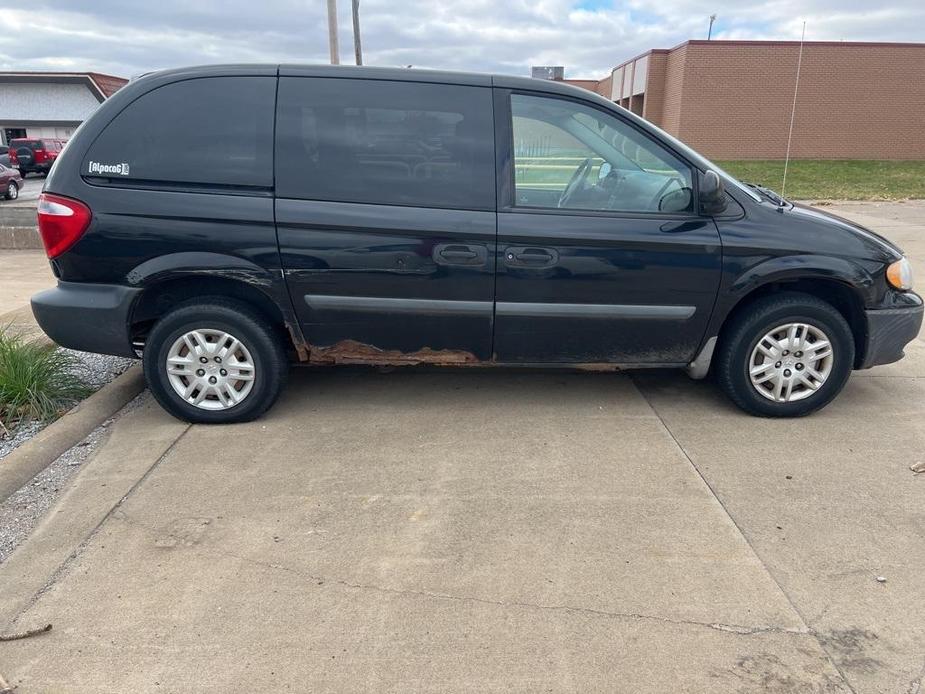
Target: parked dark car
point(226, 221)
point(33, 155)
point(10, 182)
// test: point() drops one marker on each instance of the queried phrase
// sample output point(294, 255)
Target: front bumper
point(889, 330)
point(88, 317)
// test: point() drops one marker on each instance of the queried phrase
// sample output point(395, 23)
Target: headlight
point(899, 274)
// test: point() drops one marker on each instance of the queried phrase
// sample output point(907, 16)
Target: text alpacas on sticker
point(107, 169)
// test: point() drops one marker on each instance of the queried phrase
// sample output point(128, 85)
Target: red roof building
point(50, 104)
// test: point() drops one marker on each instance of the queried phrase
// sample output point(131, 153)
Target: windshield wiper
point(769, 194)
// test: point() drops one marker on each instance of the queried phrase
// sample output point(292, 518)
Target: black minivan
point(224, 222)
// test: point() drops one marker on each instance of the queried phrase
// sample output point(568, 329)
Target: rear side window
point(213, 130)
point(382, 142)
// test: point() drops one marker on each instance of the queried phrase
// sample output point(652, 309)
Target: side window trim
point(504, 150)
point(504, 147)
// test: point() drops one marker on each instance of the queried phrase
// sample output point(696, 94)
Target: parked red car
point(33, 154)
point(10, 182)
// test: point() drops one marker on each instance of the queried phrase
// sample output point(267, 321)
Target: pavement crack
point(745, 539)
point(737, 629)
point(63, 567)
point(915, 686)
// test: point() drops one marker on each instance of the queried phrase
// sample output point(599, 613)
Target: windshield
point(707, 164)
point(35, 145)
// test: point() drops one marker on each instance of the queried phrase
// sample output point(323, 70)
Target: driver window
point(571, 156)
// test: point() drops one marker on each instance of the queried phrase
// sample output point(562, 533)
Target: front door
point(386, 219)
point(601, 256)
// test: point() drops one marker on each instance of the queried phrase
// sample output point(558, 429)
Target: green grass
point(37, 381)
point(848, 179)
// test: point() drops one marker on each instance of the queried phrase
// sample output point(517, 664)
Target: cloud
point(129, 37)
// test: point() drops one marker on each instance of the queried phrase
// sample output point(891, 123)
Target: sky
point(588, 37)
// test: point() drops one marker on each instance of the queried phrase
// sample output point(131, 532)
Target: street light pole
point(332, 32)
point(357, 48)
point(710, 30)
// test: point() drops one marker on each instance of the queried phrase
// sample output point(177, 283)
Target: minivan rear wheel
point(214, 361)
point(786, 355)
point(12, 191)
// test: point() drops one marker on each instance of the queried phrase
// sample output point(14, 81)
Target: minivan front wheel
point(786, 355)
point(214, 361)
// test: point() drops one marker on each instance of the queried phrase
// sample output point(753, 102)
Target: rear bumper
point(44, 167)
point(889, 330)
point(88, 317)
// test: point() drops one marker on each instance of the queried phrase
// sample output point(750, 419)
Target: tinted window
point(34, 145)
point(393, 143)
point(571, 156)
point(214, 130)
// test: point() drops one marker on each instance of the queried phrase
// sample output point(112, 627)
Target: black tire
point(261, 340)
point(12, 191)
point(750, 325)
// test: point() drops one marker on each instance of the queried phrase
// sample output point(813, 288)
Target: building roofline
point(759, 42)
point(92, 79)
point(651, 51)
point(729, 43)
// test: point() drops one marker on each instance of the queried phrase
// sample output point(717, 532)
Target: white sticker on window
point(108, 169)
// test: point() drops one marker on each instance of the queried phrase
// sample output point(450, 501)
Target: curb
point(18, 230)
point(20, 239)
point(35, 455)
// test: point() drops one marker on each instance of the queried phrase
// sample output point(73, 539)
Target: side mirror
point(712, 194)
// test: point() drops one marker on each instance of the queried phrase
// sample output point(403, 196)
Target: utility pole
point(332, 32)
point(710, 30)
point(357, 47)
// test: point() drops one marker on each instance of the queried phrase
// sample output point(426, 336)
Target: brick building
point(732, 99)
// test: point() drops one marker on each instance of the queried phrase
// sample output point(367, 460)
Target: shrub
point(37, 381)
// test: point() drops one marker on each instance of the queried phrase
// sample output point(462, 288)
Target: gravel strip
point(19, 435)
point(95, 369)
point(20, 513)
point(99, 369)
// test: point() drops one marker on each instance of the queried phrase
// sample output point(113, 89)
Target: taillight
point(62, 222)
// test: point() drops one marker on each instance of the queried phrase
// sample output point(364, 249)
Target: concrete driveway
point(492, 531)
point(22, 274)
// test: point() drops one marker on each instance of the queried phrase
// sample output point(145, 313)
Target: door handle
point(459, 254)
point(529, 256)
point(533, 256)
